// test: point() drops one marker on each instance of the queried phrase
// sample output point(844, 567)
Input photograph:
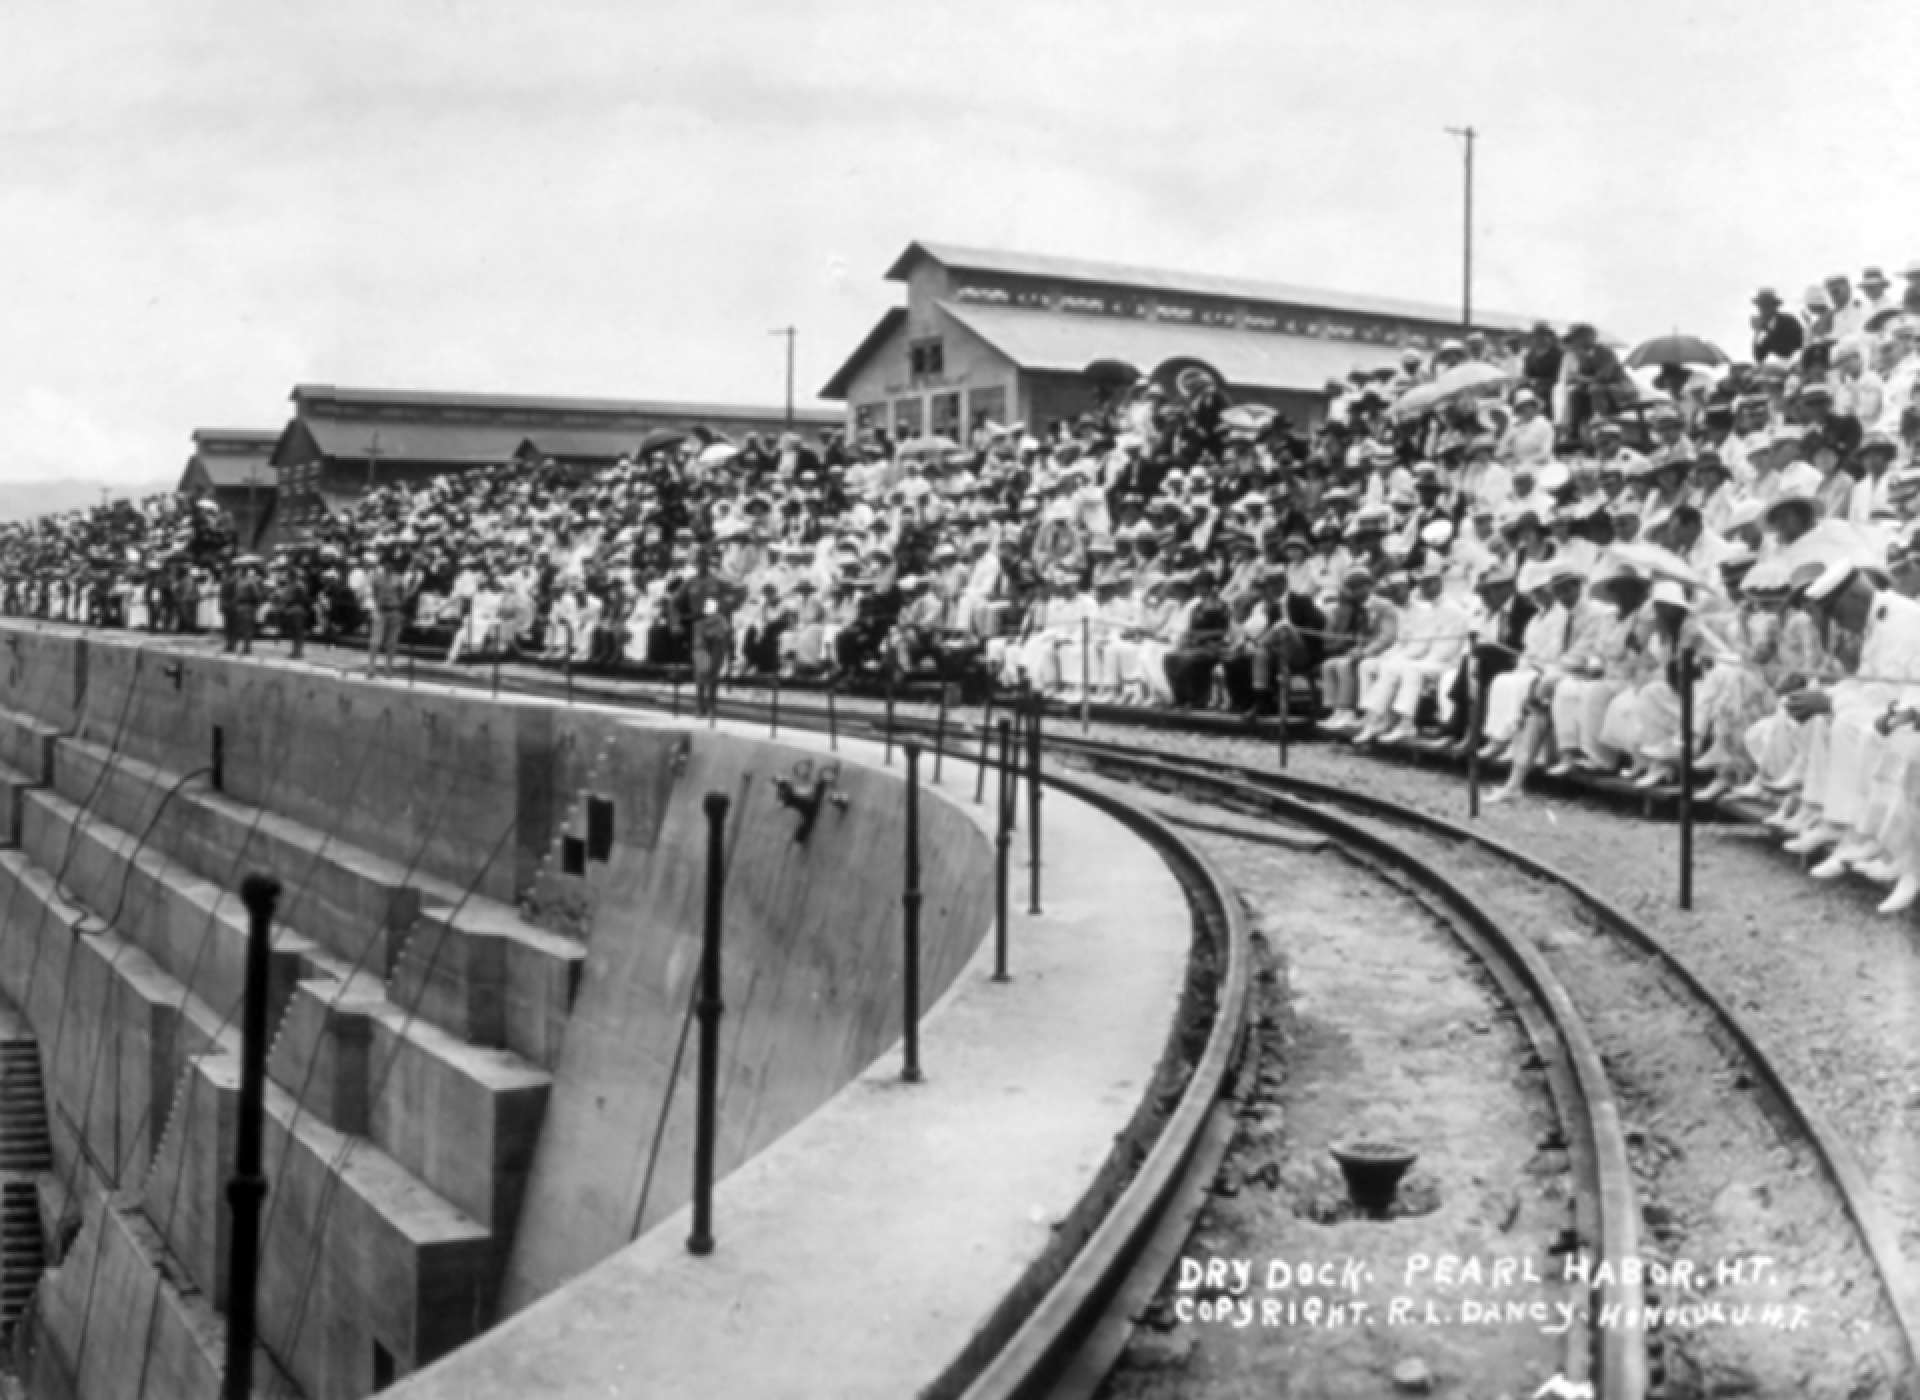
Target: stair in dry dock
point(25, 1152)
point(364, 908)
point(26, 761)
point(416, 1099)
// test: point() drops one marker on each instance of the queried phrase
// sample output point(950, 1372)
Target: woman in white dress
point(133, 603)
point(209, 618)
point(1539, 649)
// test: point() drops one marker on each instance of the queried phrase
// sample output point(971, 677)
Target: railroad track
point(1074, 1333)
point(1423, 848)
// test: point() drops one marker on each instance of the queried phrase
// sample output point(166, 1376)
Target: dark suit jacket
point(1781, 338)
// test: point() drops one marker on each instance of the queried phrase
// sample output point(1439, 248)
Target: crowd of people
point(1529, 548)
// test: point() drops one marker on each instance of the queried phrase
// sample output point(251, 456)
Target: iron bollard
point(1476, 717)
point(217, 779)
point(248, 1187)
point(910, 906)
point(1686, 779)
point(1033, 807)
point(1002, 840)
point(833, 715)
point(706, 1117)
point(940, 735)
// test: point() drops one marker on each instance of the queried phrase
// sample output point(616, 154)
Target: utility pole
point(1468, 134)
point(789, 332)
point(373, 453)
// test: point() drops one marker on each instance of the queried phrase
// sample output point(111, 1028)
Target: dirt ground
point(1377, 1024)
point(1830, 989)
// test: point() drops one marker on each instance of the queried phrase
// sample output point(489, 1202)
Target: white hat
point(1667, 591)
point(1437, 532)
point(1831, 580)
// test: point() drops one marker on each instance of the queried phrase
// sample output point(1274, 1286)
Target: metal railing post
point(1033, 807)
point(1002, 841)
point(709, 1009)
point(1086, 675)
point(1283, 684)
point(986, 748)
point(1475, 718)
point(887, 757)
point(773, 709)
point(673, 676)
point(940, 735)
point(248, 1187)
point(910, 906)
point(1686, 779)
point(833, 713)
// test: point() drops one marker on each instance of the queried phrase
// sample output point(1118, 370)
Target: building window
point(946, 415)
point(987, 406)
point(926, 357)
point(906, 418)
point(867, 416)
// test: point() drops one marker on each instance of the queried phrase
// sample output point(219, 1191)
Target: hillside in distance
point(22, 500)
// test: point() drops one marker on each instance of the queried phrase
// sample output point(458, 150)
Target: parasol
point(718, 455)
point(1655, 561)
point(1472, 378)
point(1111, 374)
point(1676, 349)
point(1249, 418)
point(1188, 376)
point(659, 440)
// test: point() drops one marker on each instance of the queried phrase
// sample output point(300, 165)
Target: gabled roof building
point(1004, 337)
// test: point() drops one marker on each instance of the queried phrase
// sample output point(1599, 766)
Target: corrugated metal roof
point(1045, 340)
point(1193, 283)
point(227, 459)
point(608, 443)
point(460, 444)
point(316, 395)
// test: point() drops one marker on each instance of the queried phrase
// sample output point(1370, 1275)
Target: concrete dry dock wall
point(475, 1054)
point(813, 974)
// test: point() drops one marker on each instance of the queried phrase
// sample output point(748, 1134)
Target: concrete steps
point(404, 1107)
point(483, 973)
point(463, 1118)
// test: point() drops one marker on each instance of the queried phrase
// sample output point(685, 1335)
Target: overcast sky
point(207, 201)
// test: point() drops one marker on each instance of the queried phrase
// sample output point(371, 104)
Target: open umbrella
point(660, 439)
point(1187, 375)
point(1676, 349)
point(718, 455)
point(1111, 374)
point(1655, 561)
point(1473, 378)
point(933, 442)
point(1249, 418)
